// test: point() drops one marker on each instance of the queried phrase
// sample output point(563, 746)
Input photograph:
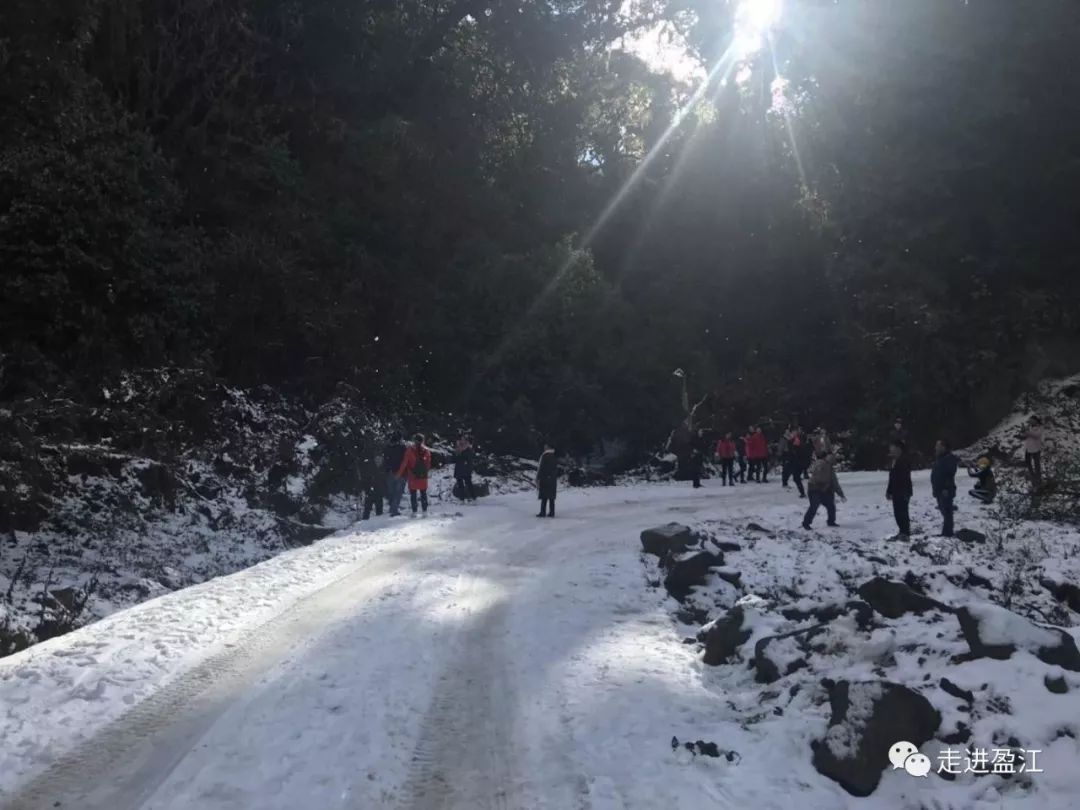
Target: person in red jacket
point(725, 451)
point(415, 467)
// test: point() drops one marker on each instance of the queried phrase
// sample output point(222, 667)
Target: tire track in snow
point(122, 765)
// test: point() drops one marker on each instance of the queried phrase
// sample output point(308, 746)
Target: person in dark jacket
point(1033, 449)
point(372, 483)
point(740, 453)
point(393, 455)
point(985, 485)
point(943, 483)
point(804, 453)
point(697, 457)
point(725, 451)
point(547, 481)
point(900, 490)
point(790, 446)
point(463, 469)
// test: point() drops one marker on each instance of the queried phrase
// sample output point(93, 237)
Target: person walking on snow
point(943, 483)
point(372, 483)
point(761, 451)
point(740, 452)
point(790, 447)
point(823, 489)
point(900, 490)
point(985, 485)
point(1033, 447)
point(547, 481)
point(393, 456)
point(463, 469)
point(415, 466)
point(725, 451)
point(804, 454)
point(697, 457)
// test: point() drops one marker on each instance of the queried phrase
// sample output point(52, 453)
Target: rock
point(68, 598)
point(958, 737)
point(954, 690)
point(692, 615)
point(157, 482)
point(864, 615)
point(1056, 685)
point(724, 636)
point(868, 718)
point(1064, 592)
point(95, 464)
point(666, 541)
point(975, 581)
point(970, 536)
point(994, 632)
point(894, 599)
point(303, 534)
point(482, 489)
point(729, 576)
point(686, 573)
point(756, 527)
point(772, 664)
point(725, 545)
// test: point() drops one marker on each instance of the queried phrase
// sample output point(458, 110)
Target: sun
point(754, 21)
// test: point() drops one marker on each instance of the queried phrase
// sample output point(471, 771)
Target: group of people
point(402, 466)
point(751, 453)
point(408, 465)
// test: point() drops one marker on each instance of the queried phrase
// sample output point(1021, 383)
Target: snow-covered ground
point(485, 658)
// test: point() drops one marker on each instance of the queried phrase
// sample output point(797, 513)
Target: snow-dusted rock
point(667, 540)
point(970, 536)
point(994, 632)
point(867, 719)
point(895, 599)
point(723, 637)
point(776, 656)
point(689, 572)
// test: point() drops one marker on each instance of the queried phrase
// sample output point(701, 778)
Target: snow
point(484, 656)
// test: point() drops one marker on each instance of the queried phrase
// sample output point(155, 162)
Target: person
point(985, 485)
point(897, 434)
point(463, 469)
point(415, 467)
point(740, 452)
point(1033, 447)
point(547, 481)
point(725, 451)
point(790, 470)
point(697, 457)
point(372, 483)
point(804, 455)
point(900, 490)
point(393, 456)
point(823, 489)
point(943, 483)
point(761, 451)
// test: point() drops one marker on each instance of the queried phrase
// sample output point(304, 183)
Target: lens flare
point(754, 21)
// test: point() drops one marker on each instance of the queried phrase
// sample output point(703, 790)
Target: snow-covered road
point(487, 660)
point(468, 663)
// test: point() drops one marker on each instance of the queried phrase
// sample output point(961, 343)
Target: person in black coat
point(463, 469)
point(900, 489)
point(547, 481)
point(372, 482)
point(698, 449)
point(943, 483)
point(393, 455)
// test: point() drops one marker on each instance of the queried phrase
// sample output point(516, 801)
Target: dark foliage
point(401, 197)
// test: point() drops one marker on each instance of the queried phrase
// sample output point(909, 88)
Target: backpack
point(419, 469)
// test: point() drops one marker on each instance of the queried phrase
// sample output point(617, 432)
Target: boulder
point(951, 688)
point(970, 536)
point(730, 576)
point(723, 637)
point(1058, 685)
point(1064, 592)
point(895, 599)
point(868, 718)
point(303, 534)
point(994, 632)
point(773, 658)
point(725, 545)
point(686, 573)
point(756, 527)
point(864, 615)
point(666, 541)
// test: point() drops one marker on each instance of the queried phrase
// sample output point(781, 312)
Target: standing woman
point(547, 481)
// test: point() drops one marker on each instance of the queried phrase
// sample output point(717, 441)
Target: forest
point(502, 209)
